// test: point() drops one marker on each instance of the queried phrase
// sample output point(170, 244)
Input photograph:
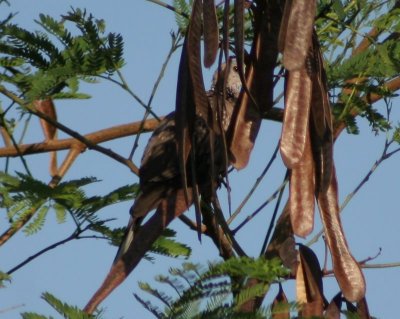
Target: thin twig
point(70, 132)
point(256, 184)
point(384, 156)
point(362, 262)
point(4, 310)
point(275, 213)
point(4, 125)
point(75, 235)
point(261, 207)
point(100, 136)
point(174, 46)
point(169, 7)
point(368, 266)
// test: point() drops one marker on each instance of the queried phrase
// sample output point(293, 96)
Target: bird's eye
point(235, 68)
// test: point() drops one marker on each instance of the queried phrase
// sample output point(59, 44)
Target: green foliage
point(396, 134)
point(183, 10)
point(218, 291)
point(340, 27)
point(4, 277)
point(65, 310)
point(26, 198)
point(165, 245)
point(51, 62)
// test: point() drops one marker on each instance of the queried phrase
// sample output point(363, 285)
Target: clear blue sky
point(74, 271)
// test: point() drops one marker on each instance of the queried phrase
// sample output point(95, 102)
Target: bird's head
point(233, 82)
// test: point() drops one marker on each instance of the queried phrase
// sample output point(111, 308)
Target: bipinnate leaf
point(63, 309)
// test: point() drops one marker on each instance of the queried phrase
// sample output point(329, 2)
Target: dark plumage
point(159, 171)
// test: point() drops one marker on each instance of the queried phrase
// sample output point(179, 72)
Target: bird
point(159, 174)
point(161, 181)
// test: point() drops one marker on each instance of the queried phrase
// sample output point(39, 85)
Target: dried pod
point(302, 194)
point(346, 269)
point(211, 33)
point(296, 117)
point(298, 33)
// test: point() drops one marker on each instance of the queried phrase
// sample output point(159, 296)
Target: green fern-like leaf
point(164, 245)
point(150, 307)
point(183, 8)
point(213, 293)
point(65, 310)
point(39, 67)
point(31, 315)
point(61, 213)
point(38, 222)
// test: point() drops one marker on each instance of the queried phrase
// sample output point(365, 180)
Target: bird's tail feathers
point(132, 227)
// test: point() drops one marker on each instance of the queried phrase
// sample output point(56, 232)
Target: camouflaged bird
point(159, 171)
point(161, 182)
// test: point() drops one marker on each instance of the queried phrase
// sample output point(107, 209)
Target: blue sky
point(74, 271)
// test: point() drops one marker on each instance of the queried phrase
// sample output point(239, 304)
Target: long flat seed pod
point(196, 75)
point(362, 309)
point(302, 194)
point(312, 275)
point(46, 106)
point(333, 309)
point(301, 291)
point(169, 208)
point(296, 117)
point(239, 43)
point(211, 33)
point(280, 306)
point(298, 33)
point(245, 129)
point(284, 24)
point(193, 52)
point(323, 158)
point(184, 115)
point(321, 119)
point(346, 269)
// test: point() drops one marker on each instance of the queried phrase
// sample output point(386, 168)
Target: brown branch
point(5, 136)
point(392, 86)
point(73, 154)
point(69, 131)
point(367, 41)
point(100, 136)
point(76, 147)
point(369, 266)
point(13, 229)
point(75, 235)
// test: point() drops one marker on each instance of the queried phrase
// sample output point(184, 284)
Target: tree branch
point(75, 235)
point(69, 131)
point(93, 138)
